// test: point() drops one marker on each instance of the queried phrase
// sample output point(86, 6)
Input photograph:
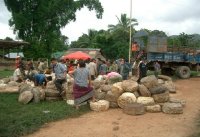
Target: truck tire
point(183, 72)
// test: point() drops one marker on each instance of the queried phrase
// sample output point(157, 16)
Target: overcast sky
point(170, 16)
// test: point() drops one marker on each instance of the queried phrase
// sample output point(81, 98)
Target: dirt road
point(114, 123)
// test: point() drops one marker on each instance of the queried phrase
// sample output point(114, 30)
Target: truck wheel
point(183, 72)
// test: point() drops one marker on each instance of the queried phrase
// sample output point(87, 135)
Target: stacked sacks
point(28, 93)
point(149, 81)
point(100, 94)
point(7, 85)
point(38, 94)
point(24, 87)
point(152, 93)
point(6, 80)
point(167, 82)
point(134, 109)
point(2, 86)
point(113, 95)
point(100, 80)
point(113, 77)
point(51, 93)
point(100, 88)
point(125, 99)
point(31, 83)
point(130, 86)
point(25, 97)
point(143, 91)
point(100, 105)
point(69, 91)
point(105, 90)
point(12, 86)
point(161, 96)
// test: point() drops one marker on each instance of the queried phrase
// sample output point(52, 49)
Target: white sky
point(172, 17)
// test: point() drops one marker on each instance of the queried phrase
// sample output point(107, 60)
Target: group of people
point(82, 72)
point(82, 89)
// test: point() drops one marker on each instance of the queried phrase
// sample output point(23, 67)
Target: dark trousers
point(125, 76)
point(92, 77)
point(58, 84)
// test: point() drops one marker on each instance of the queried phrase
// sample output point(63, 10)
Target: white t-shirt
point(16, 74)
point(92, 68)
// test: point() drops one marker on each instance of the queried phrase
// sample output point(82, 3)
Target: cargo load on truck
point(173, 59)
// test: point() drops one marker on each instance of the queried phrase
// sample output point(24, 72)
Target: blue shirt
point(59, 70)
point(39, 79)
point(81, 76)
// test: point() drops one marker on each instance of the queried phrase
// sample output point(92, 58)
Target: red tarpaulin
point(77, 55)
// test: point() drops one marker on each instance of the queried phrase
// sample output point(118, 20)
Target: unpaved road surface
point(114, 123)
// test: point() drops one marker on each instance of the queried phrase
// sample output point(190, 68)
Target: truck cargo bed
point(173, 57)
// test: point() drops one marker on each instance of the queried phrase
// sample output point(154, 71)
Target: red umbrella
point(77, 55)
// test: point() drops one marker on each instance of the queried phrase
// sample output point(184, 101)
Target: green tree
point(86, 40)
point(158, 33)
point(123, 24)
point(183, 39)
point(39, 22)
point(120, 34)
point(8, 39)
point(113, 42)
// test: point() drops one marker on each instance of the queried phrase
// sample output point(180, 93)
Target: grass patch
point(17, 119)
point(6, 73)
point(195, 73)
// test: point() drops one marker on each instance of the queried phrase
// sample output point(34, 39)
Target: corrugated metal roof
point(11, 44)
point(14, 55)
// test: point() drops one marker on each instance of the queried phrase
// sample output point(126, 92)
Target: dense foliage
point(39, 22)
point(185, 40)
point(114, 42)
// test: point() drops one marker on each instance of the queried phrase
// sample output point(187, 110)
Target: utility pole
point(130, 38)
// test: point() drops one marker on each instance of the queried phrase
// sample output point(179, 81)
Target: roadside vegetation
point(17, 119)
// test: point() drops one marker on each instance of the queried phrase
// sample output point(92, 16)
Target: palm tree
point(88, 40)
point(123, 24)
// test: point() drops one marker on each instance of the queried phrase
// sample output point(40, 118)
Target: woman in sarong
point(82, 89)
